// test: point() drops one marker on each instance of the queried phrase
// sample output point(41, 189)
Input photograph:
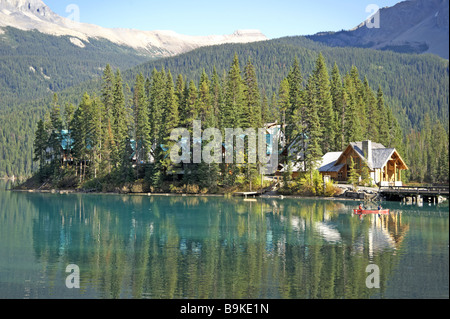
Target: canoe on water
point(364, 211)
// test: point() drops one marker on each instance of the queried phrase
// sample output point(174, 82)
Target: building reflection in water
point(198, 247)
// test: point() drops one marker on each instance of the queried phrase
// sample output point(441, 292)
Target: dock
point(404, 193)
point(247, 194)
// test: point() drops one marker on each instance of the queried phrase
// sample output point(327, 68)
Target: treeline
point(107, 131)
point(427, 152)
point(413, 85)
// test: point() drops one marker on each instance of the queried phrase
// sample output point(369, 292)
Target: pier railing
point(416, 190)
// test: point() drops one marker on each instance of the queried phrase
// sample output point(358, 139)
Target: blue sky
point(202, 17)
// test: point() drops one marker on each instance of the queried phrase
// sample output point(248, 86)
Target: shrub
point(192, 189)
point(331, 189)
point(312, 187)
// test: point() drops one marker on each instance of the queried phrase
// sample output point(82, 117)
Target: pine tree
point(190, 110)
point(293, 114)
point(171, 112)
point(40, 144)
point(157, 105)
point(142, 125)
point(216, 94)
point(69, 111)
point(107, 146)
point(313, 152)
point(266, 117)
point(55, 126)
point(119, 125)
point(365, 175)
point(324, 100)
point(80, 134)
point(203, 105)
point(383, 126)
point(234, 97)
point(171, 122)
point(372, 112)
point(251, 115)
point(107, 92)
point(109, 149)
point(284, 105)
point(94, 134)
point(274, 108)
point(354, 175)
point(352, 126)
point(231, 113)
point(337, 97)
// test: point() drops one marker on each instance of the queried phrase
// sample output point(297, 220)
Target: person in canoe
point(379, 210)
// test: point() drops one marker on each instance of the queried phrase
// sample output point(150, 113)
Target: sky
point(274, 18)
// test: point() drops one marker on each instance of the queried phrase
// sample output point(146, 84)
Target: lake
point(218, 248)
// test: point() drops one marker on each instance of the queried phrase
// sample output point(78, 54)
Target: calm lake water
point(197, 247)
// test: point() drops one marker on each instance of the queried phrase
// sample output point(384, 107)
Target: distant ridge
point(414, 26)
point(36, 15)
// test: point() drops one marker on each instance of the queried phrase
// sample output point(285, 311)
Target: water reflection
point(198, 247)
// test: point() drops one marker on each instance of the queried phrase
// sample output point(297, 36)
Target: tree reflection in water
point(212, 247)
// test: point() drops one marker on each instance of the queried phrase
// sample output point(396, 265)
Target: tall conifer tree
point(324, 100)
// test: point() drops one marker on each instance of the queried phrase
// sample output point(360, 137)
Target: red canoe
point(364, 212)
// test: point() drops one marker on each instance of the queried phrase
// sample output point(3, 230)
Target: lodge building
point(385, 164)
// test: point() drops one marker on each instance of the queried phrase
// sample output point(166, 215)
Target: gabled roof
point(380, 156)
point(329, 162)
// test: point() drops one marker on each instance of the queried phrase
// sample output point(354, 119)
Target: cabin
point(385, 164)
point(65, 149)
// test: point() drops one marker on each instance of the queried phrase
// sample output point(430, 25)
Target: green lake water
point(217, 248)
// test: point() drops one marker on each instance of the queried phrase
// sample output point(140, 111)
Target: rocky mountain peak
point(36, 15)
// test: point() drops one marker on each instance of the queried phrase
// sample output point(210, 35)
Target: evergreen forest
point(412, 88)
point(120, 137)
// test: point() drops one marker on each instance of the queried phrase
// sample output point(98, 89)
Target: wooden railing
point(419, 190)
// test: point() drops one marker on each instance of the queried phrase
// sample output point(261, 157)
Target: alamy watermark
point(373, 21)
point(74, 12)
point(373, 280)
point(210, 147)
point(73, 280)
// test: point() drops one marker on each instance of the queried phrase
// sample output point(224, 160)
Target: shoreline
point(273, 196)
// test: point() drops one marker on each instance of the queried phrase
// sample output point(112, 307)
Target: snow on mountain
point(36, 15)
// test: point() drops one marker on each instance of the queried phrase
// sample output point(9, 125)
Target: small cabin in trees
point(384, 164)
point(65, 150)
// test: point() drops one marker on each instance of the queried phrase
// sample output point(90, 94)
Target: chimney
point(367, 149)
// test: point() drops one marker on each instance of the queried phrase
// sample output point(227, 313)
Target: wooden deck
point(414, 192)
point(247, 194)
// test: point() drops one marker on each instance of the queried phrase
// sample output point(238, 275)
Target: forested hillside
point(33, 64)
point(413, 85)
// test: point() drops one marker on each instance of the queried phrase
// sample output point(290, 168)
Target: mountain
point(42, 52)
point(415, 26)
point(35, 15)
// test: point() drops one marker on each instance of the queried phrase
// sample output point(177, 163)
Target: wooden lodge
point(385, 164)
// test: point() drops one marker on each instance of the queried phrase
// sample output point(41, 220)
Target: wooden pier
point(404, 193)
point(247, 194)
